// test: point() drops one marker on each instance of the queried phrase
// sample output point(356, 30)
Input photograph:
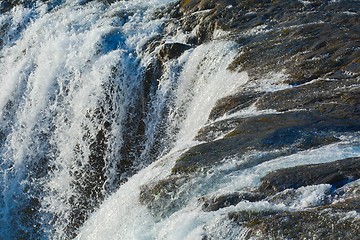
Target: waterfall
point(94, 112)
point(71, 82)
point(73, 94)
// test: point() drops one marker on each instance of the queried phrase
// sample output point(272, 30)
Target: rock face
point(303, 62)
point(336, 173)
point(315, 224)
point(315, 45)
point(288, 132)
point(172, 50)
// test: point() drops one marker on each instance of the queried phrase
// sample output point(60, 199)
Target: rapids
point(72, 78)
point(83, 128)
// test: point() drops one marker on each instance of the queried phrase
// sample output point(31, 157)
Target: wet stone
point(233, 103)
point(349, 190)
point(336, 173)
point(214, 204)
point(348, 204)
point(338, 98)
point(159, 196)
point(172, 50)
point(288, 132)
point(311, 224)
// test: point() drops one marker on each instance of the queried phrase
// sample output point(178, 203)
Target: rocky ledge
point(336, 216)
point(315, 47)
point(303, 63)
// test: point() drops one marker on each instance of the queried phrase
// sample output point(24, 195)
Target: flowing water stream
point(72, 79)
point(82, 129)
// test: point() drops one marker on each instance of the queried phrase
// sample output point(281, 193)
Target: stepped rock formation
point(316, 46)
point(191, 119)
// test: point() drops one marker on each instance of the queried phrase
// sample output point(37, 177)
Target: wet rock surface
point(315, 224)
point(334, 217)
point(315, 45)
point(338, 98)
point(172, 50)
point(288, 132)
point(234, 103)
point(161, 195)
point(337, 174)
point(310, 39)
point(223, 201)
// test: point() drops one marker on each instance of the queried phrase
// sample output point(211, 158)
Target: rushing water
point(79, 118)
point(72, 85)
point(71, 80)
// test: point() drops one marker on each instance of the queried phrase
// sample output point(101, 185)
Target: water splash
point(71, 79)
point(80, 115)
point(74, 80)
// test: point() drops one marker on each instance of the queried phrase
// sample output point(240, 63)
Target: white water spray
point(70, 79)
point(76, 122)
point(71, 82)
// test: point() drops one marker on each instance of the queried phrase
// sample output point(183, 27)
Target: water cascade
point(98, 102)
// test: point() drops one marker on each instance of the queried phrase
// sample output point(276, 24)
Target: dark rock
point(201, 21)
point(338, 98)
point(311, 224)
point(217, 129)
point(250, 216)
point(330, 221)
point(233, 103)
point(232, 199)
point(158, 197)
point(336, 173)
point(308, 40)
point(293, 131)
point(7, 5)
point(349, 190)
point(170, 51)
point(348, 204)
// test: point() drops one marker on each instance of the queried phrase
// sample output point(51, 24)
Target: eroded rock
point(214, 204)
point(288, 132)
point(310, 224)
point(336, 173)
point(161, 195)
point(338, 98)
point(234, 103)
point(172, 50)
